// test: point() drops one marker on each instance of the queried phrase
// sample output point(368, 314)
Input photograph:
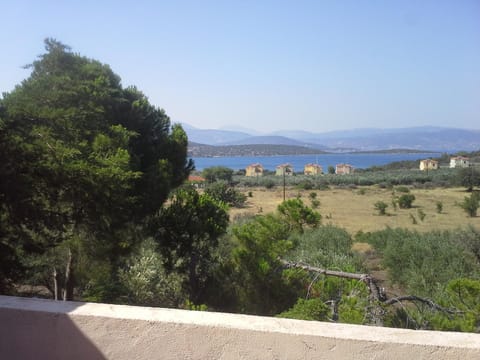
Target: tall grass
point(423, 263)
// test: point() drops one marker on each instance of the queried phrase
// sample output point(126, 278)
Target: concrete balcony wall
point(45, 329)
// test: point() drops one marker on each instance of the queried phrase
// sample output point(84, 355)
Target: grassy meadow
point(353, 209)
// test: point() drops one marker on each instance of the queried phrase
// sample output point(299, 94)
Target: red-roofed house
point(284, 169)
point(254, 170)
point(342, 169)
point(312, 169)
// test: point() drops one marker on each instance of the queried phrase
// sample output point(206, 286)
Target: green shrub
point(146, 282)
point(323, 186)
point(306, 185)
point(381, 207)
point(471, 204)
point(423, 263)
point(421, 214)
point(395, 203)
point(216, 173)
point(269, 184)
point(402, 189)
point(326, 246)
point(405, 201)
point(222, 191)
point(439, 206)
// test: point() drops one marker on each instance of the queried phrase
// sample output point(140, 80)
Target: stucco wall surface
point(44, 329)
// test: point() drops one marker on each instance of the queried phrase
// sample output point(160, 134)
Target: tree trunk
point(192, 278)
point(69, 278)
point(55, 284)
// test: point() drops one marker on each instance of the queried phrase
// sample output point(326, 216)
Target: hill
point(427, 138)
point(202, 150)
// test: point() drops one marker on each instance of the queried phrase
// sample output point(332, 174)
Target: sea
point(357, 160)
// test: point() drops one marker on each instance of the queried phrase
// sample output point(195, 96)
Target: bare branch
point(342, 274)
point(376, 295)
point(375, 311)
point(428, 302)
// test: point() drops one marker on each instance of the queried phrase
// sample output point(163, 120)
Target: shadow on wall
point(42, 332)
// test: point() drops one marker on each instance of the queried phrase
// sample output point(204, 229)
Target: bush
point(313, 200)
point(306, 185)
point(146, 282)
point(425, 262)
point(326, 246)
point(269, 184)
point(402, 189)
point(394, 203)
point(439, 206)
point(323, 186)
point(221, 191)
point(468, 177)
point(471, 204)
point(405, 201)
point(381, 207)
point(311, 309)
point(216, 173)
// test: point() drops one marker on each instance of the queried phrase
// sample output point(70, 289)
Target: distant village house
point(459, 162)
point(342, 169)
point(254, 170)
point(196, 181)
point(284, 169)
point(312, 169)
point(428, 164)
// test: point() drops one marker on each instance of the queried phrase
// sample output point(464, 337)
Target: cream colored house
point(342, 169)
point(312, 169)
point(284, 169)
point(428, 164)
point(254, 170)
point(459, 162)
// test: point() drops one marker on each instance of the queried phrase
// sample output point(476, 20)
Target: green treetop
point(81, 157)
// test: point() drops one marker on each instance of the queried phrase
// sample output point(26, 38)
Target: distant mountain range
point(415, 138)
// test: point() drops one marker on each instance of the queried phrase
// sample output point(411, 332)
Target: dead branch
point(371, 282)
point(375, 311)
point(428, 302)
point(376, 296)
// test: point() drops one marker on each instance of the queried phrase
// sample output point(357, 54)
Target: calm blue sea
point(298, 161)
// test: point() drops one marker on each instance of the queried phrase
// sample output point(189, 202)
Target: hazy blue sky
point(271, 65)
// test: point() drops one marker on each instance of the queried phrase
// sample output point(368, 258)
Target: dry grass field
point(353, 209)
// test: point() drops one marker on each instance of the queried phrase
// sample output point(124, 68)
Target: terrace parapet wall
point(45, 329)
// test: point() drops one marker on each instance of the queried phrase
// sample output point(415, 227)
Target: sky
point(270, 65)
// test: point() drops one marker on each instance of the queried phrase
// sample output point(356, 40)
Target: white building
point(459, 162)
